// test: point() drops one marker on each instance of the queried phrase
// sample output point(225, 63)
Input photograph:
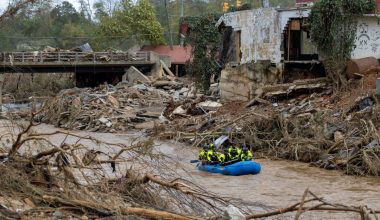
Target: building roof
point(179, 54)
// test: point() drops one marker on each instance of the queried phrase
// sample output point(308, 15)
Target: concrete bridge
point(89, 68)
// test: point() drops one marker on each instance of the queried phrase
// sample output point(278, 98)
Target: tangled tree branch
point(71, 175)
point(13, 9)
point(322, 205)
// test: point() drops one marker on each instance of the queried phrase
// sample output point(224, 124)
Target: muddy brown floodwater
point(280, 184)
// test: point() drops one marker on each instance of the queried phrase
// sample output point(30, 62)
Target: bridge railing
point(72, 57)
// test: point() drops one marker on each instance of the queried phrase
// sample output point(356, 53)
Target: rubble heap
point(106, 108)
point(329, 130)
point(124, 107)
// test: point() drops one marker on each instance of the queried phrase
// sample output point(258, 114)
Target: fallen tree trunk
point(162, 83)
point(321, 206)
point(149, 213)
point(107, 211)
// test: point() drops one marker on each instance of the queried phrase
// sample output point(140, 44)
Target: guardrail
point(72, 57)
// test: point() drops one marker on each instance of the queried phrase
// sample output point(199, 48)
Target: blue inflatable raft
point(236, 169)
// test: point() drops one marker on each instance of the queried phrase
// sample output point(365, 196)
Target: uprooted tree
point(333, 26)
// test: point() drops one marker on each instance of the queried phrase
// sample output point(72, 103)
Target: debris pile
point(329, 130)
point(88, 178)
point(76, 180)
point(129, 105)
point(106, 108)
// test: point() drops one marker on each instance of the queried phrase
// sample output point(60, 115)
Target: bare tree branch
point(13, 9)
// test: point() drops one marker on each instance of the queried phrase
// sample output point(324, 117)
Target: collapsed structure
point(268, 46)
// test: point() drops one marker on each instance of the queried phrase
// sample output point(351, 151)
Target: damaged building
point(269, 46)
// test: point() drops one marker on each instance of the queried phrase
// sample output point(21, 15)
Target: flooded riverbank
point(280, 184)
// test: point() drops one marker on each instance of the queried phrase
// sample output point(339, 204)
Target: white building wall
point(367, 42)
point(286, 15)
point(260, 33)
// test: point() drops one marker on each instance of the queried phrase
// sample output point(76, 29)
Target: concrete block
point(157, 72)
point(235, 86)
point(134, 75)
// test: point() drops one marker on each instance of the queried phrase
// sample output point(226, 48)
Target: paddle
point(209, 163)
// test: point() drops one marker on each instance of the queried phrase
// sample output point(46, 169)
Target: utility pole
point(169, 29)
point(181, 12)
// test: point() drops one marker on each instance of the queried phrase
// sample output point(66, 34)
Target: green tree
point(44, 23)
point(100, 11)
point(333, 25)
point(136, 21)
point(205, 38)
point(65, 12)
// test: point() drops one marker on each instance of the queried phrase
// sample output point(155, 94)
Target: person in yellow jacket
point(203, 153)
point(239, 151)
point(246, 154)
point(211, 154)
point(221, 158)
point(232, 153)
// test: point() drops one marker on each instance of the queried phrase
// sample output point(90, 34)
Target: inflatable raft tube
point(236, 169)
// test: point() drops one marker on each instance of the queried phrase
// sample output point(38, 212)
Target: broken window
point(238, 46)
